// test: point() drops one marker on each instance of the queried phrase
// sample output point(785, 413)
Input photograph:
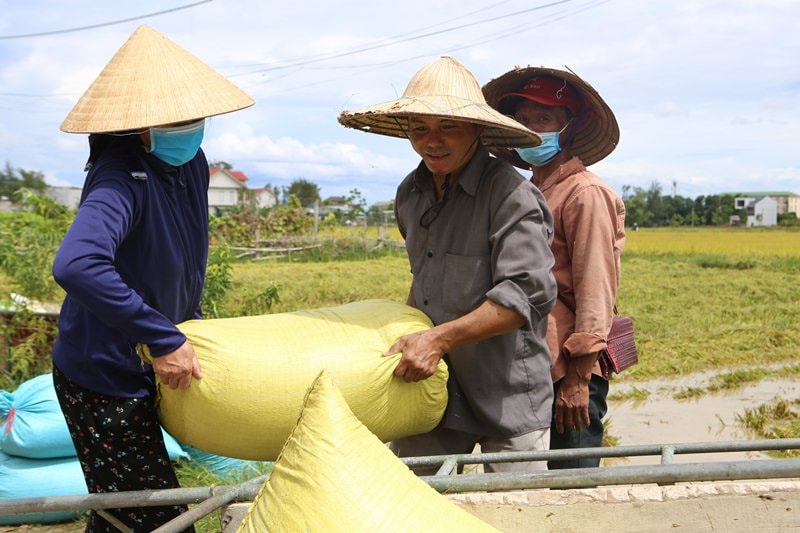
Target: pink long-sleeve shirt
point(589, 234)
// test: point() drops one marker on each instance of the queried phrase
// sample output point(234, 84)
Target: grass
point(702, 300)
point(778, 420)
point(689, 316)
point(734, 380)
point(634, 394)
point(190, 475)
point(311, 285)
point(691, 319)
point(749, 243)
point(690, 393)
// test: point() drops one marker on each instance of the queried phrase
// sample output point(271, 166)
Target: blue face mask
point(178, 145)
point(545, 152)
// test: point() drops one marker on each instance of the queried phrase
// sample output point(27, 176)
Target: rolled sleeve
point(580, 343)
point(521, 235)
point(590, 226)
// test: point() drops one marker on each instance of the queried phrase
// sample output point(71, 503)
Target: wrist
point(443, 337)
point(580, 367)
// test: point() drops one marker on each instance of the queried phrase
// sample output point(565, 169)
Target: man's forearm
point(487, 321)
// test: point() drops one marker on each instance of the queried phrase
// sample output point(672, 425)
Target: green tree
point(719, 208)
point(306, 191)
point(788, 219)
point(637, 212)
point(358, 206)
point(221, 164)
point(13, 179)
point(656, 205)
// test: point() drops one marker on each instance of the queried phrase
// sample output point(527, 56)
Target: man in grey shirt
point(478, 239)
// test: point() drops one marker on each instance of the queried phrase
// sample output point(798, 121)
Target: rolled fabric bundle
point(256, 371)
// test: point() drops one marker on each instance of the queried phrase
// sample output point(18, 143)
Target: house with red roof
point(228, 188)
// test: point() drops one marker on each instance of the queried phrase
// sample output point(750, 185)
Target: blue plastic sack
point(36, 478)
point(32, 425)
point(227, 467)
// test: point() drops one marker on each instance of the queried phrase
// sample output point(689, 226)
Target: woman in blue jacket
point(133, 264)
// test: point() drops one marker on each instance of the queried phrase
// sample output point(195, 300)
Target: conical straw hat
point(443, 89)
point(152, 81)
point(596, 137)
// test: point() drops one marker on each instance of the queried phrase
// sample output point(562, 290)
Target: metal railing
point(206, 500)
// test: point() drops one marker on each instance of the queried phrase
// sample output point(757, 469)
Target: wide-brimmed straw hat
point(442, 89)
point(598, 132)
point(151, 81)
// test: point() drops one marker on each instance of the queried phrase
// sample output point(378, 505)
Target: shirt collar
point(563, 171)
point(468, 180)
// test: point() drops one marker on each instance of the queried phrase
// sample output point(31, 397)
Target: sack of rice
point(256, 371)
point(334, 475)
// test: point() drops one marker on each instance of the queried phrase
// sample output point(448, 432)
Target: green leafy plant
point(261, 302)
point(217, 282)
point(26, 340)
point(29, 241)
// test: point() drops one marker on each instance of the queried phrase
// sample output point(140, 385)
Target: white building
point(761, 211)
point(226, 188)
point(787, 202)
point(265, 197)
point(69, 197)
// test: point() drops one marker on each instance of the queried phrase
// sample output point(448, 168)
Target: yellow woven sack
point(256, 371)
point(334, 475)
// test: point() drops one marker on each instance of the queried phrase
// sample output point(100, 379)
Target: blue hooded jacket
point(132, 263)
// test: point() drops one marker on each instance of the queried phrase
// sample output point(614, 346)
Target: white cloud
point(705, 92)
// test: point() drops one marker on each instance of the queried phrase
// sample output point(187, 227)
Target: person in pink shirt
point(578, 129)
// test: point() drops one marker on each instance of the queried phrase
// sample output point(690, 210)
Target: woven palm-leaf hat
point(151, 81)
point(443, 89)
point(598, 131)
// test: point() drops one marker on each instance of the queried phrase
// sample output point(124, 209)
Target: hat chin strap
point(469, 151)
point(577, 123)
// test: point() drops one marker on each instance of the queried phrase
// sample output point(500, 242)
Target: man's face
point(539, 117)
point(445, 146)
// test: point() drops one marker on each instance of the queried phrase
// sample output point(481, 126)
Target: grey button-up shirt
point(491, 239)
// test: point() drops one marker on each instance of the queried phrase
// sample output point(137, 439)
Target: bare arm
point(423, 350)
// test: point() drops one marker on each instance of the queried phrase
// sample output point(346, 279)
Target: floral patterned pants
point(121, 448)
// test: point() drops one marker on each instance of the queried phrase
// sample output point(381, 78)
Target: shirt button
point(430, 254)
point(425, 302)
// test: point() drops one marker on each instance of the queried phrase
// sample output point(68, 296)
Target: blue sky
point(705, 92)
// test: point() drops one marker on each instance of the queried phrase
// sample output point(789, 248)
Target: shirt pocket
point(467, 279)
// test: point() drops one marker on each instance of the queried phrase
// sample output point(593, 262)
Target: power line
point(392, 39)
point(492, 37)
point(103, 24)
point(384, 43)
point(304, 62)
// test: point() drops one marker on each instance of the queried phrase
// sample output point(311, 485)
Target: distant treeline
point(651, 208)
